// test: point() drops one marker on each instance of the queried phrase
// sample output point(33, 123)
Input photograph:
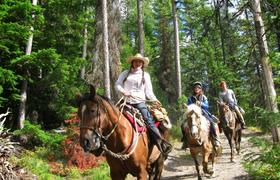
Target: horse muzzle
point(91, 143)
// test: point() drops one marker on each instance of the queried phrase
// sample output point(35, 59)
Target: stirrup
point(166, 147)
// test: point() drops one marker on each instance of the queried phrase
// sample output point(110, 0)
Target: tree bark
point(177, 49)
point(96, 74)
point(222, 33)
point(23, 89)
point(106, 50)
point(84, 55)
point(166, 69)
point(140, 26)
point(271, 103)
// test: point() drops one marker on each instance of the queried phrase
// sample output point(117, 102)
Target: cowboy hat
point(138, 57)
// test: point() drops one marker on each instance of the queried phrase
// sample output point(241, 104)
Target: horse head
point(226, 116)
point(93, 121)
point(193, 117)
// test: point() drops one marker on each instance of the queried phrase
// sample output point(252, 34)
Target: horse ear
point(92, 90)
point(79, 97)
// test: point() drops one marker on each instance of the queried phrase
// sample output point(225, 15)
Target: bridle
point(98, 133)
point(104, 138)
point(197, 125)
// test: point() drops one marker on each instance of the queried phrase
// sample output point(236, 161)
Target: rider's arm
point(190, 101)
point(149, 88)
point(119, 86)
point(204, 103)
point(233, 96)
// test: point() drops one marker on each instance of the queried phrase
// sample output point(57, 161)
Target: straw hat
point(138, 57)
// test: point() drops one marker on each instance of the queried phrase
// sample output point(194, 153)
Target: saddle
point(135, 118)
point(159, 115)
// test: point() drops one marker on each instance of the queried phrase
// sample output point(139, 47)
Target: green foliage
point(266, 164)
point(263, 118)
point(37, 137)
point(35, 163)
point(7, 80)
point(101, 172)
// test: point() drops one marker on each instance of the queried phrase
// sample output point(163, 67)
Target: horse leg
point(205, 156)
point(237, 141)
point(194, 156)
point(142, 175)
point(159, 167)
point(116, 175)
point(232, 144)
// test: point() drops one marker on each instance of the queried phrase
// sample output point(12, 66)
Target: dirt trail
point(180, 165)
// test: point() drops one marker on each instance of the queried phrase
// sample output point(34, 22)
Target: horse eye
point(92, 111)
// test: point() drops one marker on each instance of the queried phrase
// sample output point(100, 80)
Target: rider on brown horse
point(200, 99)
point(136, 85)
point(227, 96)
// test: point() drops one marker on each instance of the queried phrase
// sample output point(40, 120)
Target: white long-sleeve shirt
point(133, 84)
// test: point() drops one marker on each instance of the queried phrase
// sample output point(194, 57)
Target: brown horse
point(104, 129)
point(199, 140)
point(231, 127)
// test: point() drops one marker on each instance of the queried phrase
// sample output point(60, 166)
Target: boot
point(216, 140)
point(164, 146)
point(240, 116)
point(214, 136)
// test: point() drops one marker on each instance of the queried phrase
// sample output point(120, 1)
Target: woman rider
point(136, 85)
point(200, 99)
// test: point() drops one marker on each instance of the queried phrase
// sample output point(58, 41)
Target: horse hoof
point(211, 172)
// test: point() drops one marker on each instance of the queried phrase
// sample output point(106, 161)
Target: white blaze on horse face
point(82, 112)
point(194, 128)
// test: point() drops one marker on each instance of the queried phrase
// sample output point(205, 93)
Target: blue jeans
point(145, 113)
point(210, 119)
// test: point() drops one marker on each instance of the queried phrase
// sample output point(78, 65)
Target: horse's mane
point(96, 98)
point(195, 108)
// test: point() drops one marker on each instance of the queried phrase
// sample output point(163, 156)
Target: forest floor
point(180, 164)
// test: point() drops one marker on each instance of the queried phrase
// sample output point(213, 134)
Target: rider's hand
point(198, 103)
point(157, 103)
point(127, 93)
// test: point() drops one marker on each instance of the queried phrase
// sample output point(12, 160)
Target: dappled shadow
point(182, 176)
point(246, 133)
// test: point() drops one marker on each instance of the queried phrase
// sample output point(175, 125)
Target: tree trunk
point(84, 55)
point(22, 105)
point(271, 103)
point(140, 26)
point(222, 33)
point(177, 49)
point(166, 69)
point(96, 74)
point(23, 89)
point(106, 50)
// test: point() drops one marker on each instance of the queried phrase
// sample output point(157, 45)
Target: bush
point(265, 165)
point(37, 137)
